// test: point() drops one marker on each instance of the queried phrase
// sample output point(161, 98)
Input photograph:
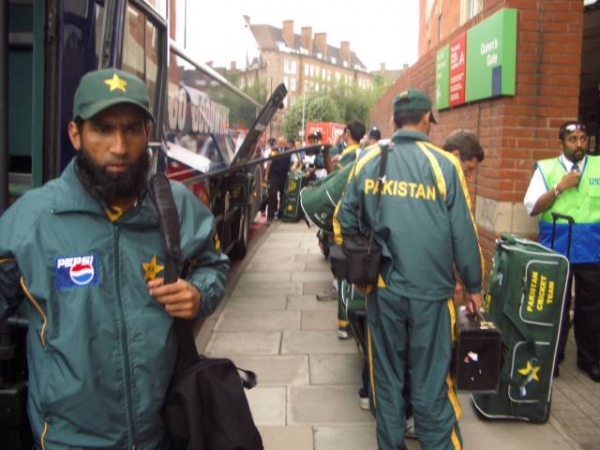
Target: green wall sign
point(491, 52)
point(442, 78)
point(491, 56)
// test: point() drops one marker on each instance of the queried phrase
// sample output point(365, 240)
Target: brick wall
point(514, 131)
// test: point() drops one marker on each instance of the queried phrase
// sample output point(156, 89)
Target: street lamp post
point(303, 112)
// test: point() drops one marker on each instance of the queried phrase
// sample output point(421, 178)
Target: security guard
point(570, 184)
point(423, 226)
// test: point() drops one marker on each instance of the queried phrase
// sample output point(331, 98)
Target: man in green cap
point(423, 226)
point(84, 253)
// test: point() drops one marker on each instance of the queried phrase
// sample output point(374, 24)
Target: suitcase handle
point(558, 216)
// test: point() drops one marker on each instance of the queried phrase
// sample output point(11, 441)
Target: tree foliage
point(318, 107)
point(341, 103)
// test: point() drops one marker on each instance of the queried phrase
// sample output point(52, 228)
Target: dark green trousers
point(414, 335)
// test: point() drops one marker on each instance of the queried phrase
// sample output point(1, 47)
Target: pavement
point(306, 398)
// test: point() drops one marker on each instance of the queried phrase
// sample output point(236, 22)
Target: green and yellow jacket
point(424, 222)
point(100, 349)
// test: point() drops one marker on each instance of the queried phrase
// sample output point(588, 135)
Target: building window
point(440, 23)
point(293, 85)
point(294, 67)
point(286, 81)
point(469, 9)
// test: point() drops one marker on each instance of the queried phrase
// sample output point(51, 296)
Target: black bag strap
point(385, 147)
point(168, 219)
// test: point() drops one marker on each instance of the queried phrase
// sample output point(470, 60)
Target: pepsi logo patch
point(76, 271)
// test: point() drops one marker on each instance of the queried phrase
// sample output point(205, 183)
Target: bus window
point(99, 21)
point(141, 49)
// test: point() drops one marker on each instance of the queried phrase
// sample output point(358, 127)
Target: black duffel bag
point(206, 407)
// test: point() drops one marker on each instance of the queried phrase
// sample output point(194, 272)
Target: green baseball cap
point(413, 100)
point(104, 88)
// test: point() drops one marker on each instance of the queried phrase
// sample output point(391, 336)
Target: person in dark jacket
point(276, 176)
point(83, 255)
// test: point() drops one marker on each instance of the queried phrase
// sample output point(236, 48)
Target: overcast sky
point(378, 31)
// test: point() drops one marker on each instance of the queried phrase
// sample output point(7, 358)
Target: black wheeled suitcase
point(525, 300)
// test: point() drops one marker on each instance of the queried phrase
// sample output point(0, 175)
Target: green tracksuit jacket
point(100, 348)
point(424, 223)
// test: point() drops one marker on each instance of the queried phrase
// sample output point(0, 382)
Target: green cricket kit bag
point(291, 197)
point(320, 200)
point(355, 304)
point(525, 299)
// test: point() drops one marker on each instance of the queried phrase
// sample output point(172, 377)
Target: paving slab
point(325, 319)
point(336, 370)
point(318, 275)
point(259, 320)
point(244, 343)
point(353, 437)
point(275, 267)
point(271, 302)
point(315, 342)
point(258, 288)
point(317, 287)
point(308, 303)
point(506, 435)
point(287, 438)
point(280, 370)
point(325, 405)
point(268, 405)
point(311, 258)
point(264, 277)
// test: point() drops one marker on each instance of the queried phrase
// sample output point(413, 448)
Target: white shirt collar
point(568, 164)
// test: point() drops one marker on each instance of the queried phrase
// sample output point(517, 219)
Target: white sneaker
point(364, 403)
point(409, 433)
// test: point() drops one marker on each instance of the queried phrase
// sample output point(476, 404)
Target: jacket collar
point(410, 134)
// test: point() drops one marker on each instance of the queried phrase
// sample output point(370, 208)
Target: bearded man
point(84, 253)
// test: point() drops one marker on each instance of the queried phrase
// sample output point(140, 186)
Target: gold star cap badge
point(101, 89)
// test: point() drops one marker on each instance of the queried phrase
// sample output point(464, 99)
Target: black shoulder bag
point(205, 407)
point(359, 258)
point(363, 255)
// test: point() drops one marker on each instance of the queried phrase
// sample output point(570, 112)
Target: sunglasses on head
point(575, 127)
point(572, 127)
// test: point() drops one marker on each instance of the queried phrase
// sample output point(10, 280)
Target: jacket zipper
point(123, 332)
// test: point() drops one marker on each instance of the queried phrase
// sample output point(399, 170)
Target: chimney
point(247, 19)
point(321, 43)
point(382, 67)
point(306, 39)
point(288, 33)
point(345, 51)
point(233, 66)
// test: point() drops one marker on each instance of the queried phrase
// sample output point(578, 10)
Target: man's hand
point(459, 294)
point(474, 303)
point(568, 181)
point(180, 299)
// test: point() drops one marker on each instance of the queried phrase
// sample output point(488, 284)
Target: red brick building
point(552, 83)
